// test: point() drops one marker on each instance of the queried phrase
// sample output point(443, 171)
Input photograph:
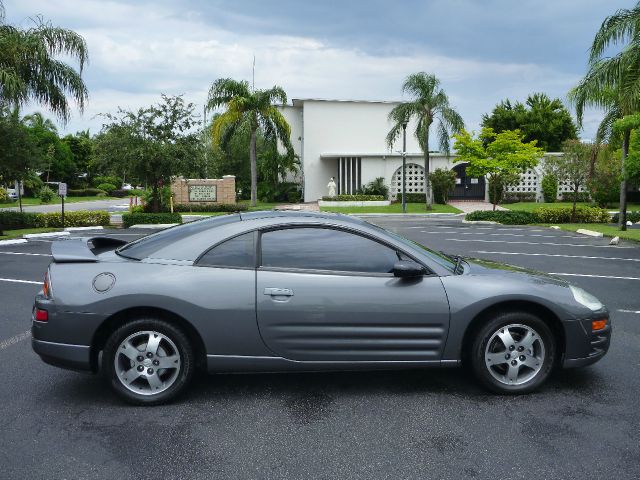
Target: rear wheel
point(148, 361)
point(513, 353)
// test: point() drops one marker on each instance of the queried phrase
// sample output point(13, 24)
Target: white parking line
point(507, 234)
point(593, 276)
point(14, 280)
point(535, 243)
point(25, 253)
point(559, 255)
point(628, 311)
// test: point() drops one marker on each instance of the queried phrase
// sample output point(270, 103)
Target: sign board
point(202, 193)
point(62, 189)
point(474, 181)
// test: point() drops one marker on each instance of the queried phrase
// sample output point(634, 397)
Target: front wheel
point(148, 361)
point(513, 353)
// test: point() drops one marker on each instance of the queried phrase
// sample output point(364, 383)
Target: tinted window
point(236, 252)
point(325, 249)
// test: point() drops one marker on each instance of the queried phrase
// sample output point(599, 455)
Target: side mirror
point(407, 269)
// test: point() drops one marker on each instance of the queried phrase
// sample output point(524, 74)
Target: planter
point(374, 203)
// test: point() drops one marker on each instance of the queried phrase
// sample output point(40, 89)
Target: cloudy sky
point(483, 51)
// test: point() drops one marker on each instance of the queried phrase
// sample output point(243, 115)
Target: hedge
point(631, 217)
point(506, 217)
point(81, 218)
point(543, 215)
point(514, 197)
point(413, 197)
point(84, 192)
point(581, 197)
point(210, 207)
point(129, 219)
point(354, 198)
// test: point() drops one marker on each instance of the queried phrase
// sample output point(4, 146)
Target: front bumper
point(584, 346)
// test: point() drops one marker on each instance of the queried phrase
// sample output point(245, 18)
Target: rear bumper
point(64, 355)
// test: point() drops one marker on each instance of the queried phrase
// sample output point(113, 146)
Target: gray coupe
point(295, 291)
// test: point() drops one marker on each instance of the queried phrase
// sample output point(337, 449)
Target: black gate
point(467, 188)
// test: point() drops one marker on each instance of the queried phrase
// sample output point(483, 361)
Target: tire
point(513, 353)
point(135, 354)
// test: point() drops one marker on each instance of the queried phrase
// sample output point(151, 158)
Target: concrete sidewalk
point(473, 206)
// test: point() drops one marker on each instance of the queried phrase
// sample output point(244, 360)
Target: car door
point(326, 294)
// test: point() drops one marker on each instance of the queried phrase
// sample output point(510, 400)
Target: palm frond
point(223, 90)
point(623, 25)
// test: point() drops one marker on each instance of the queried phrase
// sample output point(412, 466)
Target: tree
point(30, 69)
point(443, 181)
point(248, 111)
point(153, 143)
point(81, 147)
point(540, 118)
point(497, 156)
point(611, 84)
point(573, 167)
point(429, 103)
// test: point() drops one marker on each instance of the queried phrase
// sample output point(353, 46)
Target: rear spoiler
point(82, 249)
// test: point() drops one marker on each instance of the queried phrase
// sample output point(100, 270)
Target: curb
point(401, 214)
point(45, 235)
point(154, 226)
point(589, 233)
point(480, 222)
point(12, 241)
point(82, 229)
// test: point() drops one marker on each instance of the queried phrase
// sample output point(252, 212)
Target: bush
point(413, 198)
point(499, 190)
point(268, 192)
point(107, 187)
point(294, 197)
point(84, 192)
point(119, 193)
point(354, 198)
point(376, 187)
point(515, 197)
point(442, 182)
point(549, 188)
point(580, 197)
point(106, 179)
point(4, 196)
point(46, 195)
point(631, 217)
point(506, 217)
point(11, 220)
point(129, 219)
point(81, 218)
point(563, 215)
point(210, 207)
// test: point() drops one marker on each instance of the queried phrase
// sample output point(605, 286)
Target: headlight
point(585, 298)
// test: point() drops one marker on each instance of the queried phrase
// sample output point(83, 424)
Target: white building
point(346, 140)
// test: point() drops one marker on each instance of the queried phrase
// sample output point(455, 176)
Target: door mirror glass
point(408, 268)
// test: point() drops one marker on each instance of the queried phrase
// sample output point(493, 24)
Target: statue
point(332, 187)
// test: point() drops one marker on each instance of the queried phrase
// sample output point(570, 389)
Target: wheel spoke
point(154, 382)
point(153, 343)
point(532, 363)
point(495, 358)
point(512, 373)
point(130, 376)
point(172, 361)
point(529, 338)
point(129, 351)
point(506, 338)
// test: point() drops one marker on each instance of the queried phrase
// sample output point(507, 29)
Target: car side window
point(325, 249)
point(236, 252)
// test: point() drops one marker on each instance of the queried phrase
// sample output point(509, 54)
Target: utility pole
point(404, 168)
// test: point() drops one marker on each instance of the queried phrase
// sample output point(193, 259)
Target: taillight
point(46, 288)
point(41, 315)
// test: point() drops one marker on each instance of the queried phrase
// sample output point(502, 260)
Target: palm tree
point(429, 103)
point(248, 110)
point(613, 83)
point(31, 71)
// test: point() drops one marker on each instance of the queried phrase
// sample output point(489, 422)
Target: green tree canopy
point(573, 166)
point(497, 156)
point(539, 118)
point(429, 103)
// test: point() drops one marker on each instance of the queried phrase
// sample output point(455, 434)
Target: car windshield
point(145, 247)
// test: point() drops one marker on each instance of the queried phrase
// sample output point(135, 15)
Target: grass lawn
point(531, 206)
point(56, 200)
point(10, 234)
point(606, 229)
point(394, 208)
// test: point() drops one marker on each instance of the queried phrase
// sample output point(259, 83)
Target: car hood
point(479, 266)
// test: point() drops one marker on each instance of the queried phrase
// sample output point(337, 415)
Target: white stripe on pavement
point(14, 280)
point(559, 255)
point(628, 311)
point(536, 243)
point(507, 234)
point(593, 276)
point(25, 253)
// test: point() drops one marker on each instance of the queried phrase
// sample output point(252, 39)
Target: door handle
point(278, 292)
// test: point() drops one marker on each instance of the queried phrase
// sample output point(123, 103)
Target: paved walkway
point(472, 206)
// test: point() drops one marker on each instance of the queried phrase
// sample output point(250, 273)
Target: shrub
point(549, 188)
point(294, 197)
point(499, 190)
point(376, 187)
point(413, 197)
point(119, 193)
point(514, 197)
point(506, 217)
point(46, 195)
point(442, 182)
point(210, 207)
point(129, 219)
point(631, 217)
point(11, 220)
point(81, 218)
point(580, 197)
point(354, 198)
point(4, 197)
point(134, 192)
point(107, 187)
point(84, 192)
point(563, 215)
point(106, 179)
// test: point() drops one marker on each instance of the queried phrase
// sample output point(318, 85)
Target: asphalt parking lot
point(583, 424)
